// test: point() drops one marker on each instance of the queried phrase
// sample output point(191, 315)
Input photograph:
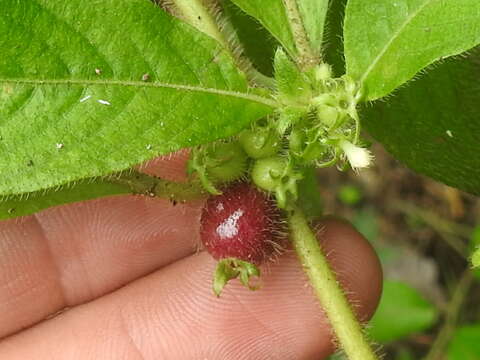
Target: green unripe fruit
point(267, 172)
point(260, 144)
point(226, 162)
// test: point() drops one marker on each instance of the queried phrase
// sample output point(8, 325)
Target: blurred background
point(423, 232)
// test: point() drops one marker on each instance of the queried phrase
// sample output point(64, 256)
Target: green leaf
point(292, 85)
point(465, 344)
point(27, 204)
point(476, 258)
point(433, 125)
point(74, 122)
point(333, 48)
point(388, 42)
point(314, 13)
point(402, 311)
point(272, 14)
point(474, 248)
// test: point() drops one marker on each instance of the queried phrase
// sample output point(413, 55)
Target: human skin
point(124, 278)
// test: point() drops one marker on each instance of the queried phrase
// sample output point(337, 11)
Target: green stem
point(347, 328)
point(143, 184)
point(306, 56)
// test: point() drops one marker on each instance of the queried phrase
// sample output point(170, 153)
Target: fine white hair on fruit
point(449, 133)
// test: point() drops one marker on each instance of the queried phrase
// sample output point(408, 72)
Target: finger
point(171, 167)
point(173, 314)
point(71, 254)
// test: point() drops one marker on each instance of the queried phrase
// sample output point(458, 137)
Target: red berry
point(242, 223)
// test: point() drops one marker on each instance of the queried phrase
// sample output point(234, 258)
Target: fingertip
point(171, 166)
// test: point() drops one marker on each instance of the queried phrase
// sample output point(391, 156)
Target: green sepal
point(288, 117)
point(217, 163)
point(232, 268)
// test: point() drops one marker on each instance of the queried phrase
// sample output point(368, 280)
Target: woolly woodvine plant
point(89, 91)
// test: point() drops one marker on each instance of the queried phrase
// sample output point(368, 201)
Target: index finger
point(71, 254)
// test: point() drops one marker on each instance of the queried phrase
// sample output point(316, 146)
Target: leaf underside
point(433, 125)
point(91, 89)
point(388, 42)
point(27, 204)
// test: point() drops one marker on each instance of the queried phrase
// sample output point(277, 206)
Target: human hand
point(135, 286)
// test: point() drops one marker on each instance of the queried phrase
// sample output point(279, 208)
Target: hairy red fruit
point(242, 223)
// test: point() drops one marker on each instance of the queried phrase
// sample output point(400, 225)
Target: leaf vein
point(395, 35)
point(139, 84)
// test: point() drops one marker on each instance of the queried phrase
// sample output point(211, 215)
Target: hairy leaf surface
point(433, 125)
point(88, 89)
point(388, 42)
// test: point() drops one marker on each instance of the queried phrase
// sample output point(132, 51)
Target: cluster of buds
point(320, 119)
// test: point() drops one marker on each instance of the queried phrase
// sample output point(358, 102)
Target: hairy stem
point(199, 13)
point(454, 307)
point(307, 57)
point(347, 328)
point(143, 184)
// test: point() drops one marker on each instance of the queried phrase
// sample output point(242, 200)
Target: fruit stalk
point(348, 330)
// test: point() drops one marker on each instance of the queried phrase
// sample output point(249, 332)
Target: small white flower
point(357, 156)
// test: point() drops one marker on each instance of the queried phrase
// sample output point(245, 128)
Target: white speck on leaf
point(104, 102)
point(59, 146)
point(145, 77)
point(98, 71)
point(449, 133)
point(85, 98)
point(149, 147)
point(229, 228)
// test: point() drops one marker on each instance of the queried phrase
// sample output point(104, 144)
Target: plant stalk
point(307, 57)
point(348, 330)
point(139, 183)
